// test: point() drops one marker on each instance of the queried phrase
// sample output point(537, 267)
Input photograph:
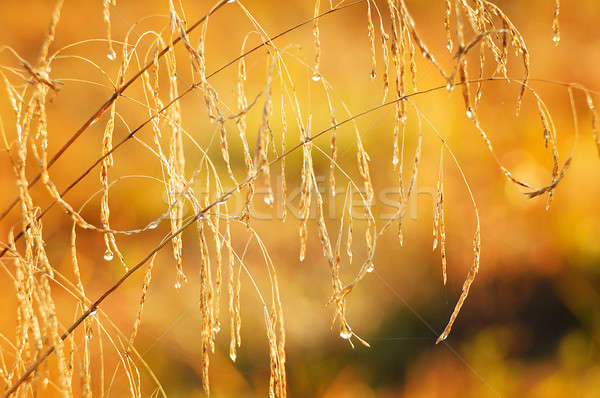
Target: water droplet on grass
point(345, 332)
point(108, 255)
point(89, 333)
point(269, 199)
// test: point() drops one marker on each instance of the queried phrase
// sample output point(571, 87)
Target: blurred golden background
point(531, 325)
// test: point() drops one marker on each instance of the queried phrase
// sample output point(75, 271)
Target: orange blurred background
point(531, 325)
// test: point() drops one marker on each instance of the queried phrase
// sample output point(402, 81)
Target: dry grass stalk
point(112, 55)
point(145, 287)
point(38, 329)
point(555, 23)
point(371, 33)
point(439, 224)
point(317, 43)
point(103, 108)
point(466, 284)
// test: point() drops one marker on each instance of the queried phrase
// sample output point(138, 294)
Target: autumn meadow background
point(531, 325)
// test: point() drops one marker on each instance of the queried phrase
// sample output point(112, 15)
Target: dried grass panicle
point(468, 24)
point(594, 112)
point(38, 325)
point(466, 284)
point(439, 223)
point(106, 4)
point(333, 142)
point(242, 103)
point(371, 33)
point(305, 192)
point(317, 43)
point(144, 294)
point(284, 129)
point(555, 23)
point(265, 137)
point(350, 228)
point(207, 332)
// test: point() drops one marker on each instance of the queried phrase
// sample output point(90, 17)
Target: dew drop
point(232, 356)
point(370, 267)
point(345, 332)
point(316, 77)
point(395, 160)
point(89, 333)
point(470, 113)
point(93, 313)
point(269, 199)
point(111, 55)
point(153, 224)
point(301, 257)
point(556, 38)
point(373, 74)
point(217, 329)
point(177, 285)
point(45, 382)
point(590, 103)
point(449, 87)
point(230, 1)
point(108, 255)
point(307, 142)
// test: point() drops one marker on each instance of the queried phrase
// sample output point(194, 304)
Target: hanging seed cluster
point(474, 30)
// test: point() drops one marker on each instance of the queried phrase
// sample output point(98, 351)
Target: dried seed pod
point(317, 43)
point(555, 23)
point(466, 285)
point(111, 55)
